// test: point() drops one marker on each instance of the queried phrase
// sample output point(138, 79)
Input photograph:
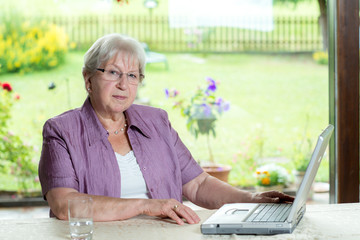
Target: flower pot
point(219, 171)
point(299, 175)
point(279, 188)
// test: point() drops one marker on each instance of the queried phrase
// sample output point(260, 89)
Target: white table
point(341, 221)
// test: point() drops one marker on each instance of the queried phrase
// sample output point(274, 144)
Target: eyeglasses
point(133, 78)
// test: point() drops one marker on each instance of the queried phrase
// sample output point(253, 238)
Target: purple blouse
point(76, 153)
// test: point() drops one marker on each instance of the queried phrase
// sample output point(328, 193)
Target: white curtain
point(248, 14)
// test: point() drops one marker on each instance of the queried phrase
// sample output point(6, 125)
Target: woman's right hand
point(170, 208)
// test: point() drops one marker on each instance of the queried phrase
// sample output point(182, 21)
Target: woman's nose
point(122, 82)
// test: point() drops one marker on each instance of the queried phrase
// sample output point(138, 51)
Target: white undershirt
point(132, 181)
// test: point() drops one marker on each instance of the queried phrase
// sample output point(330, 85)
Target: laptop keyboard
point(270, 212)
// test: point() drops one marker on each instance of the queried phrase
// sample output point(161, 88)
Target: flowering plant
point(271, 175)
point(302, 156)
point(6, 102)
point(123, 1)
point(321, 57)
point(202, 110)
point(302, 151)
point(15, 156)
point(26, 46)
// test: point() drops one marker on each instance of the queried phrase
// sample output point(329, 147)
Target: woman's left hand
point(170, 208)
point(271, 197)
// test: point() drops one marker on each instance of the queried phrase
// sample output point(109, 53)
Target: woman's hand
point(170, 208)
point(271, 197)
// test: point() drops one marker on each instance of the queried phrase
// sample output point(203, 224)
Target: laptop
point(268, 219)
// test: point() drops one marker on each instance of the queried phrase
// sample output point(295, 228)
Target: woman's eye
point(132, 75)
point(114, 72)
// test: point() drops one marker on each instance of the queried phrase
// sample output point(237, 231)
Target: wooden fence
point(290, 34)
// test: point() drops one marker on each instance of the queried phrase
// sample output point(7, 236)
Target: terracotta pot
point(299, 175)
point(219, 171)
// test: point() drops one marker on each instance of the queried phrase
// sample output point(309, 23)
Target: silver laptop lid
point(316, 157)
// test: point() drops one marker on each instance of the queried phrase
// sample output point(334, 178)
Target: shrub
point(16, 158)
point(321, 57)
point(27, 46)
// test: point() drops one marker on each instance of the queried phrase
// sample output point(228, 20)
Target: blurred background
point(268, 59)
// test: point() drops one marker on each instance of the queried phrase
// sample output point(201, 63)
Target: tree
point(322, 18)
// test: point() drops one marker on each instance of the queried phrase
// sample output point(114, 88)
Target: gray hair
point(107, 46)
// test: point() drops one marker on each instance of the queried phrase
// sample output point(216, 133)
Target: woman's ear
point(87, 81)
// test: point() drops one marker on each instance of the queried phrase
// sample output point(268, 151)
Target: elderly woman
point(126, 156)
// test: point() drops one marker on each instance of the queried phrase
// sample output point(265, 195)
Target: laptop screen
point(304, 189)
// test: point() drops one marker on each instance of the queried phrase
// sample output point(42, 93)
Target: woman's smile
point(119, 97)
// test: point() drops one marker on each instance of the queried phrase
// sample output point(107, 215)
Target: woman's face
point(112, 97)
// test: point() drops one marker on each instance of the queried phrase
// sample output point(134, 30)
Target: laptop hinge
point(299, 215)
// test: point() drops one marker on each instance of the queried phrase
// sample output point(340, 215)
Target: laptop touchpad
point(238, 212)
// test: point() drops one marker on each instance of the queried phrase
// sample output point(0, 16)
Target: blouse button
point(144, 168)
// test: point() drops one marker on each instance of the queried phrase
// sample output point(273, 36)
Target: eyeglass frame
point(141, 76)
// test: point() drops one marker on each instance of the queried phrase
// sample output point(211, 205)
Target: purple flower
point(171, 93)
point(226, 106)
point(206, 109)
point(222, 105)
point(219, 101)
point(212, 84)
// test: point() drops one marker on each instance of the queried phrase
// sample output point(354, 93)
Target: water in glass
point(81, 229)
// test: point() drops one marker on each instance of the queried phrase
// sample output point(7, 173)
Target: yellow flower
point(9, 66)
point(25, 25)
point(265, 181)
point(30, 46)
point(17, 64)
point(53, 63)
point(73, 45)
point(321, 57)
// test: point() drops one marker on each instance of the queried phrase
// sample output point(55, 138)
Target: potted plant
point(271, 177)
point(202, 111)
point(302, 156)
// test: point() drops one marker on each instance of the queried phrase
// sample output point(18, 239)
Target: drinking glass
point(80, 212)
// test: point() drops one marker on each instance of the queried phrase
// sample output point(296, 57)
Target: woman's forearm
point(112, 209)
point(104, 208)
point(209, 192)
point(214, 193)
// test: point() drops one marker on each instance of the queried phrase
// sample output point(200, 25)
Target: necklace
point(121, 129)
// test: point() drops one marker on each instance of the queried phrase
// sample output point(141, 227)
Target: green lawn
point(271, 97)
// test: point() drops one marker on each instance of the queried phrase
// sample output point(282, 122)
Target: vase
point(219, 171)
point(279, 188)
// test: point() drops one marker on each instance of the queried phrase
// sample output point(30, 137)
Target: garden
point(269, 107)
